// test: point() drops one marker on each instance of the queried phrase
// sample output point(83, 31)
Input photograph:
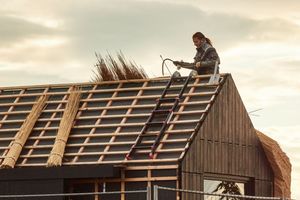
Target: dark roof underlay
point(109, 119)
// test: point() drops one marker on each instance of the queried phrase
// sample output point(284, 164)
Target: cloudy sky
point(51, 41)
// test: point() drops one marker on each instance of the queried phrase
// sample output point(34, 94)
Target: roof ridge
point(91, 83)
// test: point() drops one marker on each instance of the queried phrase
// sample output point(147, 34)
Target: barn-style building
point(128, 135)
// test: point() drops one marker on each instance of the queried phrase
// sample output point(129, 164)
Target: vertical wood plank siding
point(226, 144)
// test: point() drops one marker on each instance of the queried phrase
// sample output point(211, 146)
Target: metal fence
point(162, 193)
point(132, 195)
point(159, 193)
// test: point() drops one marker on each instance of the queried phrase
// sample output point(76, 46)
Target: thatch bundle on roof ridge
point(24, 132)
point(66, 123)
point(110, 69)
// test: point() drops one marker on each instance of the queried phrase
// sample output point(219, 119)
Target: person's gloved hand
point(176, 63)
point(198, 64)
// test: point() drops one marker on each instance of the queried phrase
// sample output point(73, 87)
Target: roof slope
point(110, 117)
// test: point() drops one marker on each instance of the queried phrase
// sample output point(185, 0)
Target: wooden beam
point(105, 116)
point(104, 99)
point(148, 161)
point(151, 167)
point(100, 135)
point(97, 83)
point(108, 108)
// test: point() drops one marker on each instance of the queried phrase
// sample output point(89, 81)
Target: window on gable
point(223, 187)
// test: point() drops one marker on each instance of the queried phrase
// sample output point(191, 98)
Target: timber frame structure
point(209, 137)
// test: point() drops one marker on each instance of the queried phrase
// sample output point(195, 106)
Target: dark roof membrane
point(110, 117)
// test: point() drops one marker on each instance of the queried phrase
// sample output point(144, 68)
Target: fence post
point(149, 193)
point(155, 192)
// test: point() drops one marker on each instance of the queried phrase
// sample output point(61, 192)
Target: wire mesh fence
point(159, 193)
point(162, 193)
point(130, 195)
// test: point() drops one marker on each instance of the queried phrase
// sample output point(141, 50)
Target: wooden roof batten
point(108, 120)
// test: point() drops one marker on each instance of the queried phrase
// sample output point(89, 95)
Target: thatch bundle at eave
point(280, 164)
point(66, 123)
point(22, 136)
point(111, 69)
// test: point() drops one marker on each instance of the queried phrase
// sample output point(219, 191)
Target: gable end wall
point(227, 145)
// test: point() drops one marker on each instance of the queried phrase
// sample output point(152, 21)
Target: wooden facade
point(210, 136)
point(227, 148)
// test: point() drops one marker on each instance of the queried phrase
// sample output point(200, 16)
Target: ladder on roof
point(160, 116)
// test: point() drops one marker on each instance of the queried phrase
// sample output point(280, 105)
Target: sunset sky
point(258, 41)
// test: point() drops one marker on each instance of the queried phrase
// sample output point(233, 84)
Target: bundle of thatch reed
point(66, 123)
point(111, 69)
point(23, 134)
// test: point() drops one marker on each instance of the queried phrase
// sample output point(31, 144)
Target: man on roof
point(206, 57)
